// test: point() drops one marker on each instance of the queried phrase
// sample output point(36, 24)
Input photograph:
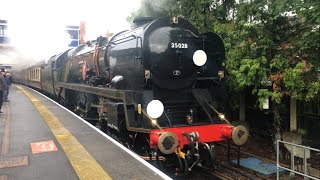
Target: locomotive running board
point(124, 95)
point(106, 92)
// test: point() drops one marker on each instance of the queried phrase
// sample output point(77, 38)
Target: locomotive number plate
point(179, 45)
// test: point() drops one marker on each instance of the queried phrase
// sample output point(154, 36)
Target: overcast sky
point(38, 22)
point(101, 14)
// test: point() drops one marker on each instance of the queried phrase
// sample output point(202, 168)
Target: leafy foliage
point(275, 42)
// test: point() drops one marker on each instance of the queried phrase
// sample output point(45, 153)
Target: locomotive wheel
point(102, 125)
point(207, 155)
point(154, 159)
point(61, 101)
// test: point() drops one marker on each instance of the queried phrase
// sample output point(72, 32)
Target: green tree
point(276, 42)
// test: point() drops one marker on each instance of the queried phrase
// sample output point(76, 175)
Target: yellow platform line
point(83, 163)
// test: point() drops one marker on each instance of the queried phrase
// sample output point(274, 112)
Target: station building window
point(3, 30)
point(74, 34)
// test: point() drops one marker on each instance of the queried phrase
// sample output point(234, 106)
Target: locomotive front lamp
point(139, 108)
point(222, 116)
point(174, 20)
point(199, 58)
point(155, 109)
point(153, 121)
point(221, 74)
point(147, 74)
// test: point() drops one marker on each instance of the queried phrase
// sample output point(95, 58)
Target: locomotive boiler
point(158, 88)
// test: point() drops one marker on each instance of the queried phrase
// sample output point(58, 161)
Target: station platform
point(40, 139)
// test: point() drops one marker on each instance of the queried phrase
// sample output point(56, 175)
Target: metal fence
point(305, 155)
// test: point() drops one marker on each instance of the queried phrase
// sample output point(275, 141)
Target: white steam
point(38, 38)
point(37, 28)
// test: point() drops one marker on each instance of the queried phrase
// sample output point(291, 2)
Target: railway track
point(212, 174)
point(225, 172)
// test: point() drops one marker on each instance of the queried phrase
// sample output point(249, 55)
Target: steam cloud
point(36, 28)
point(37, 39)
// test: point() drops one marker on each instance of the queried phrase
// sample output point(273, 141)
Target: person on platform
point(8, 79)
point(3, 86)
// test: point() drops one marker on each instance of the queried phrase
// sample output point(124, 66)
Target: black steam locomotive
point(158, 88)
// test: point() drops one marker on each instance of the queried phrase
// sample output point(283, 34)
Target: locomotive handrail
point(223, 119)
point(207, 78)
point(112, 93)
point(169, 121)
point(213, 79)
point(200, 101)
point(137, 48)
point(114, 42)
